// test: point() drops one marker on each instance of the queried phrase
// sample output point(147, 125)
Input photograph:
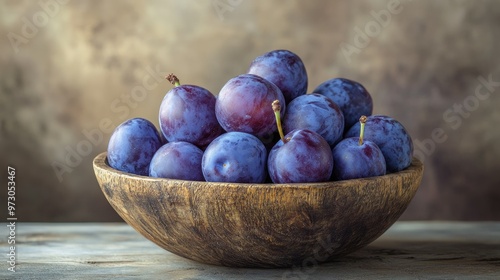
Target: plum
point(243, 105)
point(392, 139)
point(356, 157)
point(236, 157)
point(315, 112)
point(187, 113)
point(352, 98)
point(177, 160)
point(132, 146)
point(284, 69)
point(300, 156)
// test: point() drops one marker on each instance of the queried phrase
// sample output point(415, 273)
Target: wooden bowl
point(259, 225)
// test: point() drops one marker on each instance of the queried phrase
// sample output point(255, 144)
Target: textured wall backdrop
point(72, 70)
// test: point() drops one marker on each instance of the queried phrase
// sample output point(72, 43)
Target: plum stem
point(277, 110)
point(173, 79)
point(362, 121)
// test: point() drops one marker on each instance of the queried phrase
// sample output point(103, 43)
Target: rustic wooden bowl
point(259, 225)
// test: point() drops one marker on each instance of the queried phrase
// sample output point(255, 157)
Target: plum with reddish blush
point(305, 157)
point(243, 105)
point(187, 113)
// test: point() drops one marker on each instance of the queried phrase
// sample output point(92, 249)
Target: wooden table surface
point(408, 250)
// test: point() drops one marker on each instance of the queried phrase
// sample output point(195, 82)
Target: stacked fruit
point(264, 127)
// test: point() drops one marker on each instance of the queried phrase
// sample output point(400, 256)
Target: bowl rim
point(100, 162)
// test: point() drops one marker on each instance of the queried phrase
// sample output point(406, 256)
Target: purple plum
point(284, 69)
point(132, 146)
point(355, 158)
point(177, 160)
point(243, 105)
point(304, 157)
point(315, 112)
point(352, 98)
point(392, 139)
point(187, 113)
point(236, 157)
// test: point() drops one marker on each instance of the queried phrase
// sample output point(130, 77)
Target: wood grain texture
point(259, 225)
point(408, 250)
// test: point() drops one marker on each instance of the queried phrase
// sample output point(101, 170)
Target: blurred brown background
point(73, 70)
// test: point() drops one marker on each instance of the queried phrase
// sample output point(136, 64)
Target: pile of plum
point(263, 126)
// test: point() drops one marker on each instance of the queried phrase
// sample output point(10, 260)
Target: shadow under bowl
point(259, 225)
